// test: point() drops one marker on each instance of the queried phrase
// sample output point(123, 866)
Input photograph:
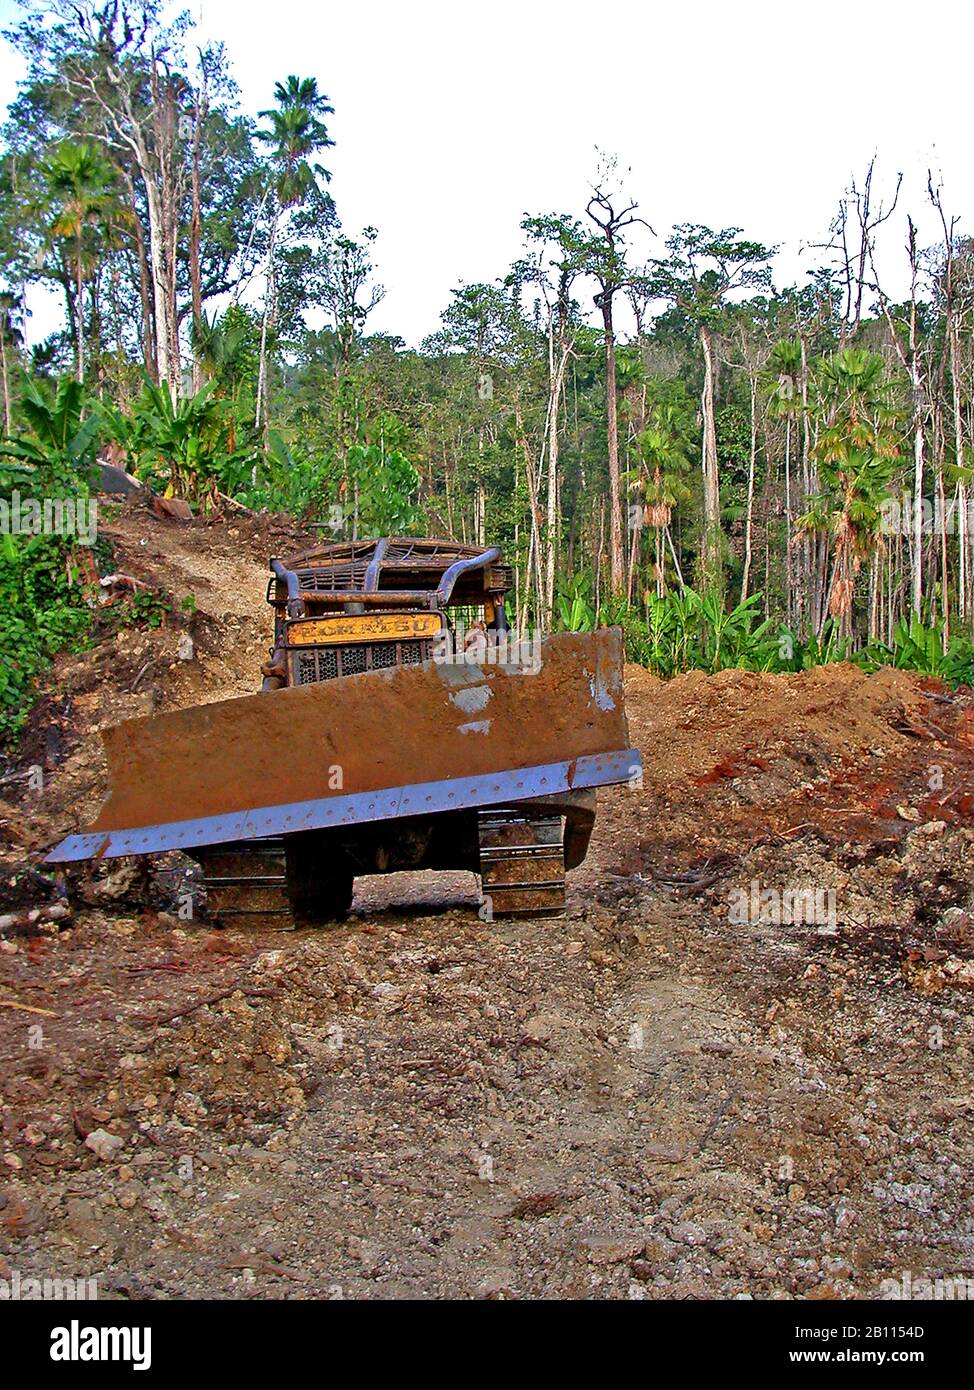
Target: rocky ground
point(674, 1090)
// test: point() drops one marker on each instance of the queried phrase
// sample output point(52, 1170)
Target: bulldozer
point(400, 724)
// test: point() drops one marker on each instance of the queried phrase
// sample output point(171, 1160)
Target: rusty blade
point(368, 733)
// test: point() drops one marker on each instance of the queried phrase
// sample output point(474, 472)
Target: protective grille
point(383, 654)
point(325, 663)
point(354, 660)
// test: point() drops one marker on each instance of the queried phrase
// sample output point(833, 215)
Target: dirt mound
point(213, 629)
point(740, 756)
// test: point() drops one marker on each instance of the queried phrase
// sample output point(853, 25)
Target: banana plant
point(60, 443)
point(573, 608)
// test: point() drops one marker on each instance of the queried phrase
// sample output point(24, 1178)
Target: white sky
point(453, 120)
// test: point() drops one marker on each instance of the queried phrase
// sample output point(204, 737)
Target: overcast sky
point(452, 120)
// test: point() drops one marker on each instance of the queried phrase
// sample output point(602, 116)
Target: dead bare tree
point(853, 232)
point(607, 265)
point(911, 360)
point(957, 302)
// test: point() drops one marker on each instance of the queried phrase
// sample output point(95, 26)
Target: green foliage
point(228, 349)
point(42, 607)
point(574, 611)
point(41, 612)
point(59, 445)
point(188, 447)
point(920, 647)
point(148, 608)
point(692, 631)
point(295, 479)
point(704, 266)
point(815, 650)
point(687, 630)
point(295, 131)
point(781, 379)
point(384, 487)
point(661, 479)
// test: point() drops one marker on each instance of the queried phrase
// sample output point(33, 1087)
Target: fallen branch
point(26, 1008)
point(33, 917)
point(151, 662)
point(708, 1133)
point(122, 581)
point(237, 506)
point(264, 1266)
point(202, 1004)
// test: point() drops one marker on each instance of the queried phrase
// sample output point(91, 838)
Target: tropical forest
point(660, 436)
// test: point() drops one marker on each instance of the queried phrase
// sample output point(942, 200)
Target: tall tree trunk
point(157, 266)
point(551, 517)
point(534, 545)
point(79, 311)
point(807, 614)
point(556, 370)
point(711, 481)
point(616, 565)
point(165, 114)
point(120, 103)
point(910, 360)
point(194, 247)
point(917, 500)
point(6, 381)
point(963, 600)
point(260, 417)
point(750, 491)
point(873, 596)
point(673, 556)
point(789, 558)
point(517, 551)
point(634, 531)
point(145, 297)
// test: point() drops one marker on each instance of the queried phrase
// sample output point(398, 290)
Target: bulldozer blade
point(406, 741)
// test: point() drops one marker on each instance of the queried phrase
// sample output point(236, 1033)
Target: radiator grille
point(314, 664)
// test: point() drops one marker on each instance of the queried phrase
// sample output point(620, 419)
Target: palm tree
point(80, 181)
point(783, 384)
point(296, 131)
point(784, 396)
point(857, 453)
point(660, 480)
point(224, 351)
point(853, 390)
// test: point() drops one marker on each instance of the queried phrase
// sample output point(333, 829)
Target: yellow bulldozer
point(400, 725)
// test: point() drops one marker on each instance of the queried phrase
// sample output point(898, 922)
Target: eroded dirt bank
point(657, 1095)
